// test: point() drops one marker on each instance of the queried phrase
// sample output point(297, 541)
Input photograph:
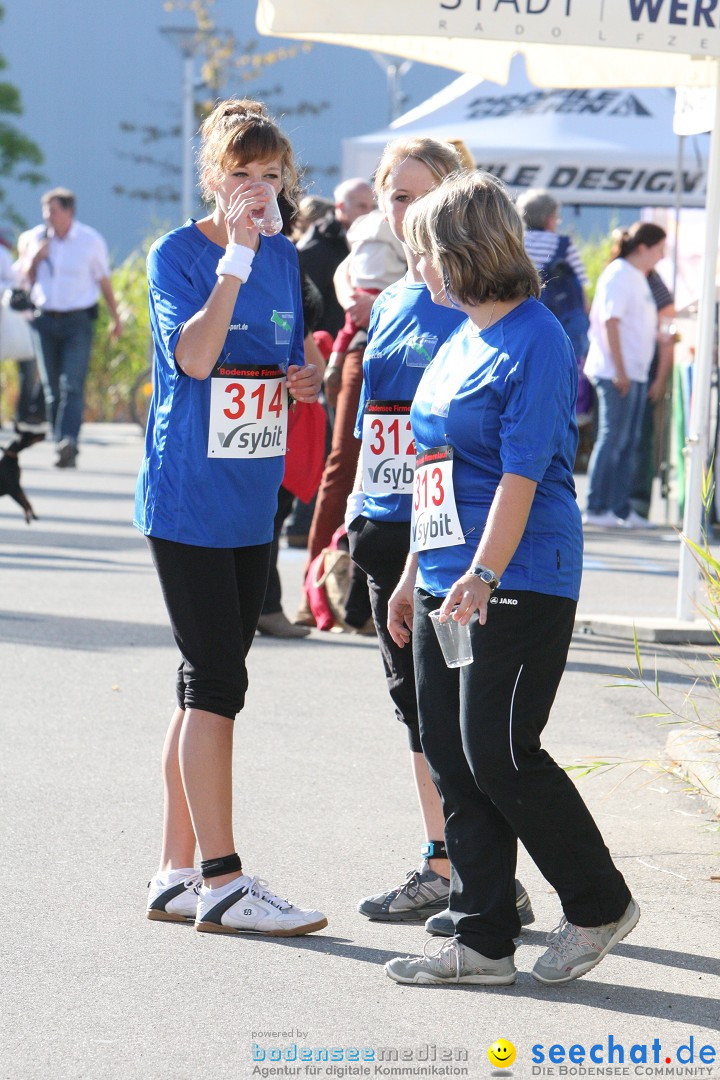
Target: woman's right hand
point(241, 229)
point(401, 608)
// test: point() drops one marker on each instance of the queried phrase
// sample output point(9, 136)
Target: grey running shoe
point(441, 925)
point(454, 963)
point(423, 893)
point(575, 949)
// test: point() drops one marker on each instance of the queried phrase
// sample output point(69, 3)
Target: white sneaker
point(247, 906)
point(605, 519)
point(636, 521)
point(173, 895)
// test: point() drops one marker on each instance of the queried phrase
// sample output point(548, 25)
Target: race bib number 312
point(248, 412)
point(435, 522)
point(388, 448)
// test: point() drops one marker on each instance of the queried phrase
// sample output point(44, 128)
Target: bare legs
point(197, 773)
point(431, 810)
point(178, 845)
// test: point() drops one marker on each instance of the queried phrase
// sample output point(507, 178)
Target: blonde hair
point(236, 132)
point(464, 153)
point(471, 231)
point(440, 158)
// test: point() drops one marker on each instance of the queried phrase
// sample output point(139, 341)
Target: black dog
point(10, 472)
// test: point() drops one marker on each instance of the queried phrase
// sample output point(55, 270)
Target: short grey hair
point(535, 206)
point(344, 188)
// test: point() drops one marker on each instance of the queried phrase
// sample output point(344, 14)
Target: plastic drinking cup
point(454, 640)
point(268, 221)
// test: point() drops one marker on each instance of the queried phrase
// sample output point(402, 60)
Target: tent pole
point(678, 208)
point(696, 442)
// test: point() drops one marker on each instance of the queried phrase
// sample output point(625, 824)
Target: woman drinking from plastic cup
point(497, 542)
point(226, 318)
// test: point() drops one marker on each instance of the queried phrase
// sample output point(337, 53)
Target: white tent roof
point(591, 147)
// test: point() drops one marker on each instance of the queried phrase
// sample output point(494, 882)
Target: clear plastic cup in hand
point(454, 639)
point(268, 221)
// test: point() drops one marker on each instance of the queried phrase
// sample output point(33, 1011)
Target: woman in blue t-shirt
point(406, 329)
point(493, 420)
point(404, 332)
point(226, 319)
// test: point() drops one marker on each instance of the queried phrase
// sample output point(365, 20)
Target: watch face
point(487, 576)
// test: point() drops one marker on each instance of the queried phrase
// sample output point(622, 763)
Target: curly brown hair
point(240, 130)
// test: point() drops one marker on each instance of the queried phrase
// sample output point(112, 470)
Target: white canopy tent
point(573, 43)
point(600, 147)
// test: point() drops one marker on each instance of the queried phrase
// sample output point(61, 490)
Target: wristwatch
point(487, 575)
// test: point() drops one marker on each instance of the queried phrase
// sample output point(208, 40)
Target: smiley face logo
point(501, 1054)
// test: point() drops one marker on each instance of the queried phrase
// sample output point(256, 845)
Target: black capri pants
point(380, 548)
point(481, 727)
point(214, 597)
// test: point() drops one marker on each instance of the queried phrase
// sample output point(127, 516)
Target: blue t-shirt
point(182, 493)
point(405, 331)
point(504, 400)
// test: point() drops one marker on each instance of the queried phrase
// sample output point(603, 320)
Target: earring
point(446, 288)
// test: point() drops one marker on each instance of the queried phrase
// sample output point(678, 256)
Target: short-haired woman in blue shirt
point(227, 326)
point(495, 412)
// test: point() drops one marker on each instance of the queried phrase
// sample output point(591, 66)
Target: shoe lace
point(194, 882)
point(448, 955)
point(259, 888)
point(566, 937)
point(410, 886)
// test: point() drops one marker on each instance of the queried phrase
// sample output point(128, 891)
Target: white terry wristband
point(236, 262)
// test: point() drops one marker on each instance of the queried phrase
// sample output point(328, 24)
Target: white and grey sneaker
point(423, 893)
point(173, 895)
point(575, 949)
point(441, 925)
point(454, 963)
point(247, 906)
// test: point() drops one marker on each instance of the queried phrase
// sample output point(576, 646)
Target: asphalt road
point(325, 810)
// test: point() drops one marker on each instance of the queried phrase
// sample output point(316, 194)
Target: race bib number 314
point(435, 522)
point(248, 412)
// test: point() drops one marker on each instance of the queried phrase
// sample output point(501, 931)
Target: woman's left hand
point(304, 382)
point(467, 595)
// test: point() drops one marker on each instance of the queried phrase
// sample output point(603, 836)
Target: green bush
point(595, 255)
point(115, 365)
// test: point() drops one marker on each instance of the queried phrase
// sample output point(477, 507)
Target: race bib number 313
point(248, 412)
point(435, 522)
point(388, 448)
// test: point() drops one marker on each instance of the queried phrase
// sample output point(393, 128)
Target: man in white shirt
point(66, 265)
